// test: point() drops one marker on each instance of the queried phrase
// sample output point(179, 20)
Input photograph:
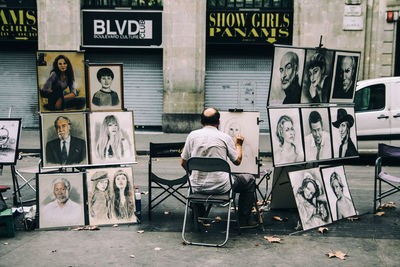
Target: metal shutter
point(143, 83)
point(238, 81)
point(18, 86)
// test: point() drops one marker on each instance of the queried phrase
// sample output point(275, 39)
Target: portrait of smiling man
point(318, 141)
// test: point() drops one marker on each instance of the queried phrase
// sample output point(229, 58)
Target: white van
point(377, 107)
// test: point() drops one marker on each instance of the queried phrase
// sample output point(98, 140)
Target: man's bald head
point(210, 116)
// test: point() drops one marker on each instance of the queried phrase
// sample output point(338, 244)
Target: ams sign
point(18, 24)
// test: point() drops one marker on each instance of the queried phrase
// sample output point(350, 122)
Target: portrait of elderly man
point(345, 80)
point(343, 123)
point(286, 77)
point(62, 211)
point(65, 149)
point(318, 142)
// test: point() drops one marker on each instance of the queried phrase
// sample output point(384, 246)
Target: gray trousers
point(245, 185)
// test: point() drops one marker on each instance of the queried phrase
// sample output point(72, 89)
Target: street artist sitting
point(210, 142)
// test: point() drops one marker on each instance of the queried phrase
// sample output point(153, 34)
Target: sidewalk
point(369, 241)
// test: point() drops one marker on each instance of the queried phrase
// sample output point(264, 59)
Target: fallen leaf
point(144, 192)
point(272, 239)
point(337, 254)
point(257, 244)
point(206, 224)
point(331, 255)
point(260, 203)
point(115, 225)
point(54, 251)
point(140, 231)
point(277, 218)
point(78, 229)
point(379, 213)
point(92, 227)
point(166, 212)
point(132, 256)
point(157, 248)
point(323, 230)
point(340, 255)
point(388, 205)
point(5, 243)
point(254, 210)
point(353, 219)
point(184, 243)
point(218, 218)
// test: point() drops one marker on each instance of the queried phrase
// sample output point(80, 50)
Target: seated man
point(210, 142)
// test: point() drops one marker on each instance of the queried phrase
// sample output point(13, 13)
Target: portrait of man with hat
point(344, 121)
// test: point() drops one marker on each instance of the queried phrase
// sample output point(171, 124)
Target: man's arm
point(238, 145)
point(183, 163)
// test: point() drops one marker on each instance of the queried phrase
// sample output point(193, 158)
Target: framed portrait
point(61, 81)
point(60, 199)
point(340, 201)
point(317, 134)
point(287, 72)
point(247, 125)
point(105, 87)
point(64, 140)
point(317, 76)
point(286, 136)
point(10, 131)
point(345, 77)
point(344, 137)
point(112, 138)
point(105, 189)
point(311, 199)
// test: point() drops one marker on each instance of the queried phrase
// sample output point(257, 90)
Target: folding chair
point(205, 164)
point(168, 187)
point(388, 153)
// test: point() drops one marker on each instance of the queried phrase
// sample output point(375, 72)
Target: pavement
point(369, 241)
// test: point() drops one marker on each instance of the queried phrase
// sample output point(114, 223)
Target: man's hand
point(239, 140)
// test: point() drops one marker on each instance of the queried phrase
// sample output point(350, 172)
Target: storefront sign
point(18, 24)
point(255, 27)
point(121, 28)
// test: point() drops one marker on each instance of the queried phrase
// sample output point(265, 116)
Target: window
point(370, 98)
point(262, 4)
point(137, 4)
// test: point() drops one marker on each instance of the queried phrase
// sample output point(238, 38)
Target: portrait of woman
point(110, 195)
point(60, 87)
point(100, 203)
point(286, 140)
point(113, 141)
point(338, 192)
point(244, 124)
point(123, 204)
point(112, 137)
point(310, 198)
point(317, 78)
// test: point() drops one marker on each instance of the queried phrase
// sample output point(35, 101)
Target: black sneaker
point(248, 224)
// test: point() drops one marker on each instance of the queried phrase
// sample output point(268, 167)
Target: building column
point(59, 24)
point(183, 64)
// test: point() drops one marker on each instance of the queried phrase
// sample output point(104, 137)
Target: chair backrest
point(206, 164)
point(387, 151)
point(165, 150)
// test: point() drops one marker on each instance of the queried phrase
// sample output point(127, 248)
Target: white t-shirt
point(209, 142)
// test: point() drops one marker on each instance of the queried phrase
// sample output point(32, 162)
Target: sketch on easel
point(245, 124)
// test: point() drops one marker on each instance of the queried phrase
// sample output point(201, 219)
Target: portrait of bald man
point(345, 77)
point(286, 76)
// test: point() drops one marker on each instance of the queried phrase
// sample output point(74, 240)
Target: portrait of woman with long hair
point(123, 205)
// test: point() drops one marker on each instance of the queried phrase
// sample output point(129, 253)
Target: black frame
point(344, 179)
point(17, 138)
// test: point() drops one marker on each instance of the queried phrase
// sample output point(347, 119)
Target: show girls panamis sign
point(18, 24)
point(121, 28)
point(254, 27)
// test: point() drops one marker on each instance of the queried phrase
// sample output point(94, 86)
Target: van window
point(370, 98)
